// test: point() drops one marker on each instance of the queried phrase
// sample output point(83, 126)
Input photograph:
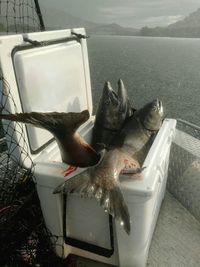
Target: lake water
point(164, 68)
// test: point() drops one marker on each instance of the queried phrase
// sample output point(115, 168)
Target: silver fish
point(102, 180)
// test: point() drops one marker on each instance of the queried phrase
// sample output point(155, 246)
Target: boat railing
point(194, 126)
point(184, 166)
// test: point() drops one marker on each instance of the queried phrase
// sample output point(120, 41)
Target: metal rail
point(189, 124)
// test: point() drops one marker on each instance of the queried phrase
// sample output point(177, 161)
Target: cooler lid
point(50, 72)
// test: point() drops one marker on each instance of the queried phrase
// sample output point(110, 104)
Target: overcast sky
point(131, 13)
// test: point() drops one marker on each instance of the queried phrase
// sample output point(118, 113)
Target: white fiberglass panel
point(87, 221)
point(50, 78)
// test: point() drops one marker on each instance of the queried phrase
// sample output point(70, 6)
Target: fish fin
point(110, 199)
point(55, 122)
point(124, 100)
point(122, 95)
point(73, 184)
point(132, 171)
point(131, 165)
point(119, 209)
point(100, 182)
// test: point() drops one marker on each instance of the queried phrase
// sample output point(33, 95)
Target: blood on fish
point(69, 170)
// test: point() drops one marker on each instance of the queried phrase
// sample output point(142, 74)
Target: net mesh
point(24, 238)
point(184, 167)
point(18, 16)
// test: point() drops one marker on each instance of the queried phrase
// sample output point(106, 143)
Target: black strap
point(33, 42)
point(84, 245)
point(50, 42)
point(79, 35)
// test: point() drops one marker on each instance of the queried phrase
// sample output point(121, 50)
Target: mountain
point(187, 27)
point(113, 29)
point(191, 21)
point(59, 19)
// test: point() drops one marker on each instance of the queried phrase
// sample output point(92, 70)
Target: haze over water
point(164, 68)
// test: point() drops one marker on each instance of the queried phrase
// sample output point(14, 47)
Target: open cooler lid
point(46, 71)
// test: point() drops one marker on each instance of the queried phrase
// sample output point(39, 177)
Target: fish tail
point(114, 203)
point(52, 121)
point(38, 119)
point(73, 184)
point(20, 117)
point(111, 199)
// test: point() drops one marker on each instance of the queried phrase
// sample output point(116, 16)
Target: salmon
point(101, 181)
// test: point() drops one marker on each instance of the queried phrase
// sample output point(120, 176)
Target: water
point(164, 68)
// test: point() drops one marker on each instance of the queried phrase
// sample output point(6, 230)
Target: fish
point(113, 109)
point(101, 181)
point(140, 127)
point(74, 149)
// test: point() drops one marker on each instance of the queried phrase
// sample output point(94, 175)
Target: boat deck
point(176, 240)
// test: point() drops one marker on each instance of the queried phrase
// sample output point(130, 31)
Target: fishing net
point(24, 239)
point(184, 167)
point(18, 16)
point(23, 236)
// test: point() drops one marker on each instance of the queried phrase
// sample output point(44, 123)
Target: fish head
point(114, 107)
point(151, 115)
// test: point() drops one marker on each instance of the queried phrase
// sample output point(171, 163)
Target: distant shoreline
point(142, 36)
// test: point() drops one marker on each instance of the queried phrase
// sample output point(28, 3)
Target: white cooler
point(50, 72)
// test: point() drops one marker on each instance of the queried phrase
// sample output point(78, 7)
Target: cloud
point(162, 20)
point(116, 12)
point(131, 13)
point(139, 13)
